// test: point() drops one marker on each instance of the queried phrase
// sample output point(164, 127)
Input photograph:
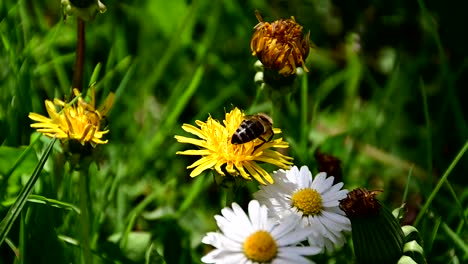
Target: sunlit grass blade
point(126, 68)
point(95, 75)
point(12, 246)
point(174, 111)
point(16, 208)
point(174, 43)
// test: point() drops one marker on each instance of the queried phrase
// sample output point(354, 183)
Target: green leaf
point(16, 156)
point(164, 14)
point(15, 210)
point(136, 250)
point(153, 256)
point(44, 200)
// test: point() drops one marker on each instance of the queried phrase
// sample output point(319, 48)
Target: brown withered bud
point(280, 46)
point(329, 164)
point(361, 203)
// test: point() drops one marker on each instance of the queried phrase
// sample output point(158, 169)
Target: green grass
point(393, 113)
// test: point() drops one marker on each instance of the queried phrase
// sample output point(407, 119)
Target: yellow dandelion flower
point(280, 46)
point(217, 150)
point(78, 120)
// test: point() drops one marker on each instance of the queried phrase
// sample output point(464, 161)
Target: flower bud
point(377, 235)
point(84, 9)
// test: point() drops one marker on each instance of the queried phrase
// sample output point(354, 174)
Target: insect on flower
point(96, 117)
point(252, 127)
point(214, 145)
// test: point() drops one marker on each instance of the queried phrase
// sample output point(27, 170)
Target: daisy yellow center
point(260, 247)
point(308, 201)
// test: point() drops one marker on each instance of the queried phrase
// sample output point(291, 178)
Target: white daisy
point(255, 238)
point(295, 192)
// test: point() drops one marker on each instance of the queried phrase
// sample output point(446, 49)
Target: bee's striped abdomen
point(247, 131)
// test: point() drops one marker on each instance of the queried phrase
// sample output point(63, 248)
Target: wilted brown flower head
point(280, 46)
point(361, 203)
point(329, 164)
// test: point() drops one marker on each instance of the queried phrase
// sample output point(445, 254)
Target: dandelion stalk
point(80, 54)
point(230, 195)
point(85, 213)
point(304, 113)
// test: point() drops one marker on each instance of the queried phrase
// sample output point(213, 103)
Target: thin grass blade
point(16, 208)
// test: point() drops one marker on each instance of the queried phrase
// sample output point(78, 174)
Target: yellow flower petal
point(193, 130)
point(206, 164)
point(243, 173)
point(258, 173)
point(194, 152)
point(196, 142)
point(217, 152)
point(77, 120)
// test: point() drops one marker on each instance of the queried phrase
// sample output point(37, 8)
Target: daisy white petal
point(314, 200)
point(259, 239)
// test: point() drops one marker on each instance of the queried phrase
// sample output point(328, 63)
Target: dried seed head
point(361, 203)
point(281, 45)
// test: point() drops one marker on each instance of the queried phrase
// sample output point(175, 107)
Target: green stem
point(230, 196)
point(80, 54)
point(85, 216)
point(304, 113)
point(428, 131)
point(439, 184)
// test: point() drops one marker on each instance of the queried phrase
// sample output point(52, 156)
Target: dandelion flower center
point(308, 201)
point(260, 247)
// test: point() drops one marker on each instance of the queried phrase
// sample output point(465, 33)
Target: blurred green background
point(385, 94)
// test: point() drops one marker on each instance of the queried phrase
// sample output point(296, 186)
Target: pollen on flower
point(281, 45)
point(260, 247)
point(308, 201)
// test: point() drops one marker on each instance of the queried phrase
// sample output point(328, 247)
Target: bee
point(252, 127)
point(97, 117)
